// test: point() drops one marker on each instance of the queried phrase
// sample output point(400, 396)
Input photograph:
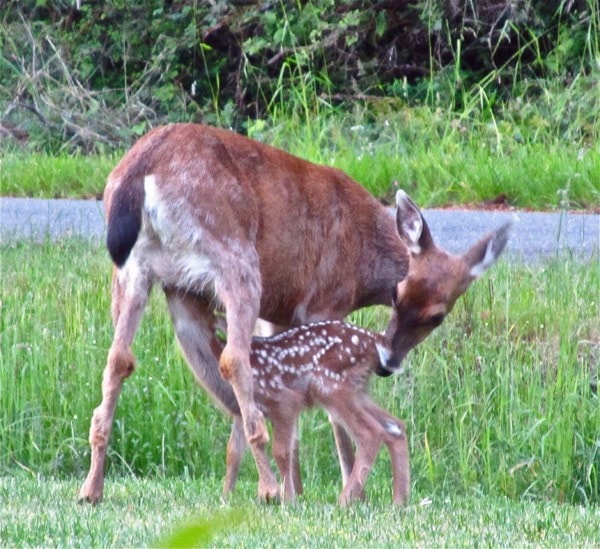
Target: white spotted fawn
point(329, 363)
point(325, 364)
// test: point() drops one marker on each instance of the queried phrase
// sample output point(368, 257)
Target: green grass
point(437, 164)
point(497, 401)
point(142, 512)
point(438, 157)
point(39, 175)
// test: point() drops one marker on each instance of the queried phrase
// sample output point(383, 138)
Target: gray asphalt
point(535, 236)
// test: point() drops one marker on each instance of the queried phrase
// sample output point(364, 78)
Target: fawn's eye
point(436, 320)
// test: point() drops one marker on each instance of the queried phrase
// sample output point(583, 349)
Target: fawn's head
point(435, 280)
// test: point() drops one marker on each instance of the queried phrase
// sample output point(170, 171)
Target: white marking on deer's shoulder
point(355, 339)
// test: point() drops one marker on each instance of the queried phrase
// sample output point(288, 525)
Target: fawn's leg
point(236, 446)
point(297, 477)
point(396, 441)
point(194, 321)
point(284, 434)
point(398, 448)
point(368, 435)
point(345, 449)
point(129, 297)
point(264, 328)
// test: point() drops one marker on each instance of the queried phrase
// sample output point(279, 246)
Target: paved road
point(537, 235)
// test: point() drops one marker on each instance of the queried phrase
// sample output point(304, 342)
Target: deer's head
point(435, 280)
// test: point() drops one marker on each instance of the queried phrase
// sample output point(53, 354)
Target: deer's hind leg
point(195, 322)
point(397, 443)
point(130, 289)
point(368, 434)
point(238, 288)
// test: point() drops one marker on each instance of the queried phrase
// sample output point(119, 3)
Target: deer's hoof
point(256, 429)
point(90, 494)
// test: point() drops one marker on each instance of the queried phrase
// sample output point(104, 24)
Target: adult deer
point(327, 364)
point(223, 222)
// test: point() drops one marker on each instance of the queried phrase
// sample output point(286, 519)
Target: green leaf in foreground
point(200, 531)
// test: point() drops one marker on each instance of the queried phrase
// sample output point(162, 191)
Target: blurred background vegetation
point(91, 76)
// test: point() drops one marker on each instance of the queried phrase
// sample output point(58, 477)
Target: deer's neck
point(385, 262)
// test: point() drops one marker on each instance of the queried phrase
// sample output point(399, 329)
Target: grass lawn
point(500, 402)
point(432, 156)
point(500, 405)
point(146, 512)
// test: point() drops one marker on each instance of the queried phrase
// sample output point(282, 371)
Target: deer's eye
point(436, 320)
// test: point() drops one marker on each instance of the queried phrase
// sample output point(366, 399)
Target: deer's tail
point(124, 219)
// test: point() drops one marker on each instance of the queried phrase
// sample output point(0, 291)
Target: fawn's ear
point(484, 253)
point(410, 224)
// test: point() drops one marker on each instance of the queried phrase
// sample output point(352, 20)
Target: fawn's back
point(312, 362)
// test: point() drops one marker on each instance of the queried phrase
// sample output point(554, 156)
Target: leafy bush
point(92, 75)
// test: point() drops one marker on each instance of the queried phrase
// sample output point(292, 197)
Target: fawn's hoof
point(350, 496)
point(269, 494)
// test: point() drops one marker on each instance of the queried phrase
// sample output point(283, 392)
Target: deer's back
point(316, 233)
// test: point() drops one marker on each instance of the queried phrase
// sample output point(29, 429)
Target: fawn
point(326, 364)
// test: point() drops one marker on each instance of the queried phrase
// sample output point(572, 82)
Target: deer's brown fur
point(225, 223)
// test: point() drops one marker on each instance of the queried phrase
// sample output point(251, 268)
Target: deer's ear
point(410, 224)
point(484, 253)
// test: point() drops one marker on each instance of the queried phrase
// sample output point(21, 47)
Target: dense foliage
point(92, 74)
